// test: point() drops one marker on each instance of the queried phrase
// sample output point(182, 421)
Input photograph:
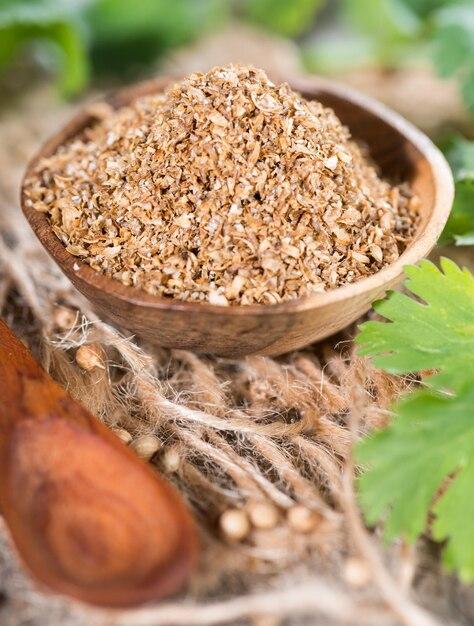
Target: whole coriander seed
point(171, 459)
point(234, 524)
point(123, 435)
point(263, 515)
point(302, 519)
point(146, 446)
point(90, 357)
point(356, 572)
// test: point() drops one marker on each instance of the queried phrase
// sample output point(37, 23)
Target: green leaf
point(287, 18)
point(430, 441)
point(454, 509)
point(460, 226)
point(424, 461)
point(432, 332)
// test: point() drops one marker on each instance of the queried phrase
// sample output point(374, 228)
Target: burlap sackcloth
point(257, 429)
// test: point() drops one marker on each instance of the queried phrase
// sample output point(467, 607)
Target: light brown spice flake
point(359, 257)
point(218, 119)
point(376, 252)
point(218, 298)
point(331, 162)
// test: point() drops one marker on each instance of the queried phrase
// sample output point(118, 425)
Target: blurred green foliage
point(51, 25)
point(423, 8)
point(393, 33)
point(398, 30)
point(289, 18)
point(453, 40)
point(122, 37)
point(115, 37)
point(391, 24)
point(127, 35)
point(460, 226)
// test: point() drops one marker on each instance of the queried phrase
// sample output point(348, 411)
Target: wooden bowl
point(402, 153)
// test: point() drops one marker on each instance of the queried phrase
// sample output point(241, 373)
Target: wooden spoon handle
point(88, 518)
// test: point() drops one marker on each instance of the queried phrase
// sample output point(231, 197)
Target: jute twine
point(254, 430)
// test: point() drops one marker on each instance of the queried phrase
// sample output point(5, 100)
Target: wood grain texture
point(88, 518)
point(401, 151)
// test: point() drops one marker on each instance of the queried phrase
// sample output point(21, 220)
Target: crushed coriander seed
point(225, 189)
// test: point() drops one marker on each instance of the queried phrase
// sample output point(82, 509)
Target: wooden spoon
point(89, 519)
point(402, 152)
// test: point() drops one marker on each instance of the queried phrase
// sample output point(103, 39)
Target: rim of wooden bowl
point(418, 248)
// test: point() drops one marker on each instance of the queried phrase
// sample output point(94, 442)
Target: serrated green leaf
point(419, 450)
point(456, 508)
point(427, 334)
point(431, 439)
point(428, 449)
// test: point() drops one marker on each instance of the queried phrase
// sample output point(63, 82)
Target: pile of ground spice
point(227, 189)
